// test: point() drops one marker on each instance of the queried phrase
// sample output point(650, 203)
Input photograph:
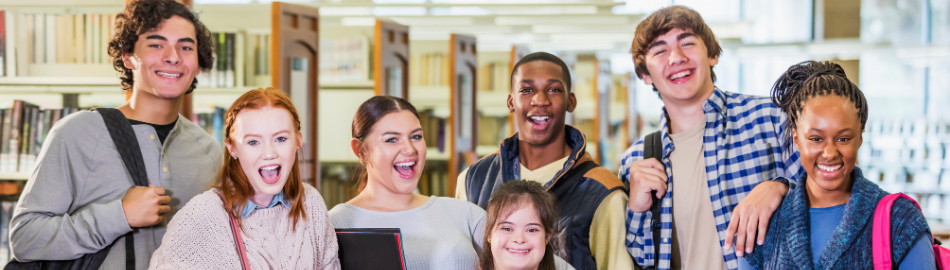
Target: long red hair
point(232, 182)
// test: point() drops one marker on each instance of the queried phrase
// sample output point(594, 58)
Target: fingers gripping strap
point(653, 148)
point(123, 136)
point(881, 231)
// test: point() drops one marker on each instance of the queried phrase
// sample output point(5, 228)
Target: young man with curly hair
point(78, 200)
point(723, 156)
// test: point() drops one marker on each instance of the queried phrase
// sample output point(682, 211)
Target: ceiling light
point(399, 11)
point(411, 21)
point(501, 20)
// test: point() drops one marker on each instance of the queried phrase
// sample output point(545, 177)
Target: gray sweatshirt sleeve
point(52, 220)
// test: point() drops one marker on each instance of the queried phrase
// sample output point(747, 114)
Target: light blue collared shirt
point(251, 206)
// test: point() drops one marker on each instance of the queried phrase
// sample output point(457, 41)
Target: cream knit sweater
point(199, 237)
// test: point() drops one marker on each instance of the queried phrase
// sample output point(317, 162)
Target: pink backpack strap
point(238, 241)
point(881, 231)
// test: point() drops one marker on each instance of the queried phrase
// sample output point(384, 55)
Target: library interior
point(452, 59)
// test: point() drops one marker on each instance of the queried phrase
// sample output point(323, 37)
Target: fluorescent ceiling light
point(476, 29)
point(560, 46)
point(640, 6)
point(516, 2)
point(345, 11)
point(358, 21)
point(399, 11)
point(554, 29)
point(399, 1)
point(512, 10)
point(512, 38)
point(562, 20)
point(596, 37)
point(458, 11)
point(411, 21)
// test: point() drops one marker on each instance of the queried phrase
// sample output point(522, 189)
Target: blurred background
point(452, 59)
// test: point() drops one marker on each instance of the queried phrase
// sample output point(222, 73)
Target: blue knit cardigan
point(788, 243)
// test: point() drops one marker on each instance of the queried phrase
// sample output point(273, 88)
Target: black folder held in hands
point(371, 248)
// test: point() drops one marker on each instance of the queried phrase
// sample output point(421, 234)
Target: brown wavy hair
point(508, 198)
point(661, 22)
point(140, 16)
point(367, 115)
point(232, 182)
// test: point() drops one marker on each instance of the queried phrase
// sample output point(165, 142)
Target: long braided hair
point(809, 79)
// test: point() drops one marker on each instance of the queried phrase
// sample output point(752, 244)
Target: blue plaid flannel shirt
point(743, 145)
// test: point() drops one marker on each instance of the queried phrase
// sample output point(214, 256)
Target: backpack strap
point(238, 241)
point(881, 231)
point(653, 148)
point(123, 136)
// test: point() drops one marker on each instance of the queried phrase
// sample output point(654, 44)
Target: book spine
point(14, 139)
point(88, 38)
point(50, 38)
point(5, 139)
point(229, 60)
point(3, 44)
point(79, 38)
point(38, 45)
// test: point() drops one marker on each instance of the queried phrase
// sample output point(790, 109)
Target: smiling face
point(395, 152)
point(518, 241)
point(265, 142)
point(828, 137)
point(540, 102)
point(680, 67)
point(165, 61)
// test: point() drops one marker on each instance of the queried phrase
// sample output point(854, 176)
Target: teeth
point(406, 164)
point(168, 75)
point(540, 118)
point(518, 250)
point(680, 75)
point(829, 168)
point(270, 167)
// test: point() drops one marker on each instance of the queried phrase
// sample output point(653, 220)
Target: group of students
point(780, 176)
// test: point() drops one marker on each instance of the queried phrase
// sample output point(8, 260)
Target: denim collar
point(251, 206)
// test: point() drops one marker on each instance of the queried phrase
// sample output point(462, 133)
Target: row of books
point(429, 70)
point(3, 43)
point(344, 60)
point(494, 77)
point(223, 70)
point(492, 130)
point(67, 38)
point(212, 121)
point(24, 130)
point(433, 129)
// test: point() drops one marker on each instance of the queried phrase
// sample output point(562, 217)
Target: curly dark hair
point(811, 79)
point(140, 16)
point(661, 22)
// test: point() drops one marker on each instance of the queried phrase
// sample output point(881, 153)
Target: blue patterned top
point(743, 145)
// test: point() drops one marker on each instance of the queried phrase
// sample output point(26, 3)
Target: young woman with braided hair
point(825, 220)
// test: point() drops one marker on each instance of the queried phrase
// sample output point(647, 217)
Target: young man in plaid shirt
point(724, 152)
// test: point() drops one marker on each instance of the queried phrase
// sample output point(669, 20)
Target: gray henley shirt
point(72, 203)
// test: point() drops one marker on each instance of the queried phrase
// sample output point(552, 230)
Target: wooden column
point(295, 41)
point(391, 58)
point(463, 120)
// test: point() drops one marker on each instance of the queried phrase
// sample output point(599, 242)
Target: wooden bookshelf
point(463, 121)
point(294, 70)
point(391, 59)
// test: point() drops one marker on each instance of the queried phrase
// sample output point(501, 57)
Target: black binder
point(371, 248)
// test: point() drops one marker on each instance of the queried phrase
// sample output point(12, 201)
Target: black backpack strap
point(128, 146)
point(653, 148)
